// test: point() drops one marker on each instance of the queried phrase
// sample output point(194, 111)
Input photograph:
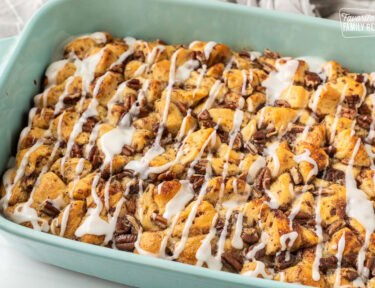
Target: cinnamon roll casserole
point(245, 162)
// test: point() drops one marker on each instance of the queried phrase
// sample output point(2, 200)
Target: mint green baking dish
point(174, 21)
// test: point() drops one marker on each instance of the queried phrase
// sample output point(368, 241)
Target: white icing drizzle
point(179, 201)
point(98, 37)
point(237, 241)
point(208, 49)
point(204, 252)
point(130, 41)
point(278, 81)
point(359, 208)
point(260, 269)
point(305, 157)
point(337, 115)
point(237, 121)
point(60, 104)
point(53, 70)
point(215, 89)
point(315, 63)
point(64, 220)
point(340, 250)
point(271, 151)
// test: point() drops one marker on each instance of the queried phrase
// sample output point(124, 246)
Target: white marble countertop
point(18, 270)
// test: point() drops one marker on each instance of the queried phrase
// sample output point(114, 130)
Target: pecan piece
point(167, 176)
point(134, 84)
point(263, 180)
point(197, 181)
point(251, 148)
point(94, 157)
point(347, 112)
point(50, 210)
point(232, 262)
point(352, 100)
point(335, 226)
point(182, 107)
point(160, 221)
point(244, 54)
point(296, 175)
point(204, 115)
point(89, 124)
point(249, 236)
point(284, 260)
point(259, 137)
point(127, 150)
point(125, 242)
point(282, 103)
point(364, 121)
point(327, 263)
point(131, 206)
point(200, 167)
point(312, 80)
point(334, 175)
point(76, 151)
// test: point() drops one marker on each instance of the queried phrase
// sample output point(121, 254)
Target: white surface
point(18, 271)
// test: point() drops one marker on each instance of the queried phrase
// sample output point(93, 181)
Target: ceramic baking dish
point(174, 21)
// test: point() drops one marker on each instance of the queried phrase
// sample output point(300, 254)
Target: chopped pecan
point(364, 121)
point(359, 78)
point(347, 112)
point(328, 263)
point(296, 175)
point(129, 102)
point(182, 107)
point(94, 157)
point(251, 148)
point(133, 187)
point(160, 221)
point(282, 103)
point(268, 67)
point(312, 80)
point(298, 128)
point(76, 151)
point(89, 124)
point(167, 176)
point(208, 124)
point(231, 261)
point(131, 206)
point(249, 235)
point(134, 84)
point(334, 175)
point(263, 180)
point(330, 150)
point(364, 109)
point(127, 150)
point(335, 226)
point(284, 260)
point(260, 136)
point(125, 242)
point(352, 100)
point(50, 210)
point(201, 166)
point(204, 115)
point(197, 181)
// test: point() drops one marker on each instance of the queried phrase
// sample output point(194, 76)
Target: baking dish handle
point(5, 48)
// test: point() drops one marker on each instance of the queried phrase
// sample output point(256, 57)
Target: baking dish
point(289, 34)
